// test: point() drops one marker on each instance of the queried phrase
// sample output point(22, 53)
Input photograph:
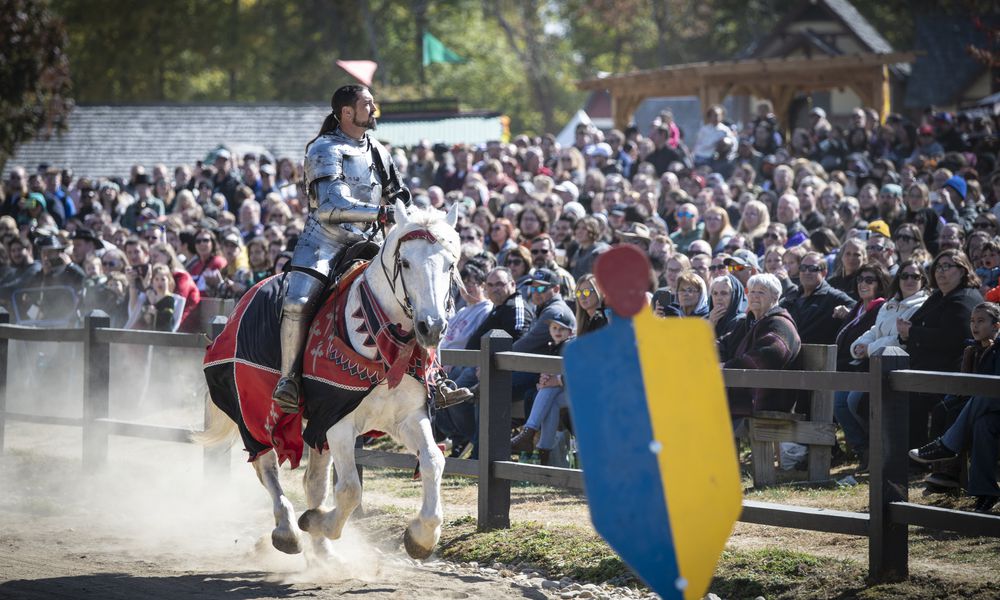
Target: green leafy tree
point(34, 74)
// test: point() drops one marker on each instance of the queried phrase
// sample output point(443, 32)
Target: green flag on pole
point(436, 52)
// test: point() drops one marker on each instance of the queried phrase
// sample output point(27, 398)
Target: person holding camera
point(157, 307)
point(52, 291)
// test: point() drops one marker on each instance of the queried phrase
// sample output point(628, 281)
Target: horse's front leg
point(346, 493)
point(285, 536)
point(316, 482)
point(423, 533)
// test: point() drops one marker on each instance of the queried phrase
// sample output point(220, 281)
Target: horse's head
point(424, 249)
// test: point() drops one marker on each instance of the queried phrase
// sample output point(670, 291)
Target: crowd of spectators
point(863, 234)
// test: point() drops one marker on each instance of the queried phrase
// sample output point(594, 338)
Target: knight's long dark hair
point(345, 95)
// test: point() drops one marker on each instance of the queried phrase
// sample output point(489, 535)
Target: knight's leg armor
point(302, 297)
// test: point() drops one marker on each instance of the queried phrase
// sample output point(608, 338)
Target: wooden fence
point(97, 337)
point(888, 383)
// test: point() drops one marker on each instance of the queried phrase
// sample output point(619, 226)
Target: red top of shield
point(625, 275)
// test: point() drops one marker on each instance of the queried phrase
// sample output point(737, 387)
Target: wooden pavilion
point(776, 79)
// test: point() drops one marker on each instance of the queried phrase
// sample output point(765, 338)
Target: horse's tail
point(219, 428)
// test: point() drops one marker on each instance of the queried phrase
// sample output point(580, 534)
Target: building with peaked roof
point(944, 74)
point(821, 53)
point(106, 140)
point(825, 26)
point(828, 28)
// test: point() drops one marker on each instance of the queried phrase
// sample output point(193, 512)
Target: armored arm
point(335, 204)
point(336, 175)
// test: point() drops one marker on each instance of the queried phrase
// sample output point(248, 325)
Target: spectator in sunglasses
point(812, 304)
point(987, 222)
point(935, 335)
point(689, 228)
point(909, 241)
point(907, 292)
point(883, 251)
point(543, 256)
point(930, 225)
point(591, 314)
point(873, 285)
point(518, 260)
point(776, 235)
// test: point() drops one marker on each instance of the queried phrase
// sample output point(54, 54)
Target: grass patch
point(562, 551)
point(770, 572)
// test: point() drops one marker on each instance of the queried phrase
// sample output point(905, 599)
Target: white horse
point(410, 278)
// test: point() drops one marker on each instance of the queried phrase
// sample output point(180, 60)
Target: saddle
point(363, 251)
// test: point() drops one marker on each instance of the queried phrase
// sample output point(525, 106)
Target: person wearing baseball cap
point(568, 191)
point(546, 296)
point(891, 207)
point(879, 227)
point(742, 265)
point(927, 146)
point(543, 420)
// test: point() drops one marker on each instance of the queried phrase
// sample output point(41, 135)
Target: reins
point(416, 234)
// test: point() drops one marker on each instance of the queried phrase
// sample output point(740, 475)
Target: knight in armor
point(346, 172)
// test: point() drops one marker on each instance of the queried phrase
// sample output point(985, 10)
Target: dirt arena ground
point(150, 526)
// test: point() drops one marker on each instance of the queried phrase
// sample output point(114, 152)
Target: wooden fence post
point(96, 389)
point(888, 546)
point(821, 411)
point(494, 431)
point(4, 344)
point(215, 459)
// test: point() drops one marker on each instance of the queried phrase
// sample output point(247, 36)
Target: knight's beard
point(369, 124)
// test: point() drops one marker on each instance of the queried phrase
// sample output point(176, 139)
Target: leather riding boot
point(301, 299)
point(524, 441)
point(293, 337)
point(545, 457)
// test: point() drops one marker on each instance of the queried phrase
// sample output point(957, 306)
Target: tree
point(34, 74)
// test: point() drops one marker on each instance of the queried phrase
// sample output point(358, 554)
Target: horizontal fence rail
point(888, 383)
point(801, 517)
point(161, 339)
point(945, 519)
point(96, 337)
point(934, 382)
point(35, 334)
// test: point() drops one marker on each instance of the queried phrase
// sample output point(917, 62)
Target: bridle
point(416, 234)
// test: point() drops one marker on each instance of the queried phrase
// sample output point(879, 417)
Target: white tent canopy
point(567, 136)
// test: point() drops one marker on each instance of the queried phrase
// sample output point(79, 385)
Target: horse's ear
point(402, 218)
point(452, 217)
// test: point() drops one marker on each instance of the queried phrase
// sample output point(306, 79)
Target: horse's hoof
point(413, 549)
point(285, 541)
point(309, 520)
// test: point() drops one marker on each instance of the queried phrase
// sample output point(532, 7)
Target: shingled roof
point(943, 69)
point(839, 10)
point(106, 140)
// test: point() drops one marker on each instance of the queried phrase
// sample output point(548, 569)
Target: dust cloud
point(152, 502)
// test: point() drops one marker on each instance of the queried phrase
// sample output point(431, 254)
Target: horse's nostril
point(422, 328)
